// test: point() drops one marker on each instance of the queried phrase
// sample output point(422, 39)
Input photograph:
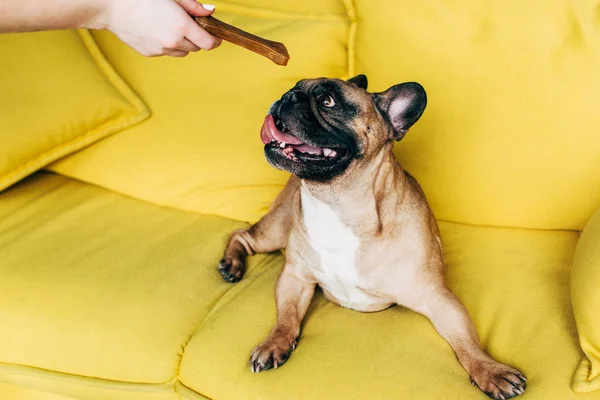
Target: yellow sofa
point(108, 254)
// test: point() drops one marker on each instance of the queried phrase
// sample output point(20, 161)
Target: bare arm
point(151, 27)
point(33, 15)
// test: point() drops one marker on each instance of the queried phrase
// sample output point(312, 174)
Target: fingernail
point(208, 7)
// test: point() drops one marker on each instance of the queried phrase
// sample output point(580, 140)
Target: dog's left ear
point(360, 80)
point(403, 105)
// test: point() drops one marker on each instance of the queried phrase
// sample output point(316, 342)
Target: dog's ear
point(360, 80)
point(403, 105)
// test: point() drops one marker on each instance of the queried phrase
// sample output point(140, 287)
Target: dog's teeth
point(282, 145)
point(329, 153)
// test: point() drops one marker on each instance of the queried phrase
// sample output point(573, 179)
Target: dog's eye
point(326, 100)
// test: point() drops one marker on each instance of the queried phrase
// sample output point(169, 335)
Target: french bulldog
point(354, 222)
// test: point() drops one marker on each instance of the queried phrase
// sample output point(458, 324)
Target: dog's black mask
point(312, 120)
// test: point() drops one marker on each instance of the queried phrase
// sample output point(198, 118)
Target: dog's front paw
point(498, 381)
point(232, 269)
point(272, 353)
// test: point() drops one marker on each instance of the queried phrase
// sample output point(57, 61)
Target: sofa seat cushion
point(100, 292)
point(514, 283)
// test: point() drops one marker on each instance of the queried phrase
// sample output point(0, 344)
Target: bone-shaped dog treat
point(274, 51)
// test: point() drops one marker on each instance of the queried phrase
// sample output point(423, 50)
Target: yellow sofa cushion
point(57, 95)
point(511, 133)
point(201, 149)
point(8, 391)
point(514, 283)
point(316, 8)
point(585, 295)
point(100, 292)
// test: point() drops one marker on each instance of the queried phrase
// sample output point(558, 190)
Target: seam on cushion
point(230, 218)
point(506, 226)
point(253, 275)
point(83, 380)
point(190, 389)
point(581, 382)
point(215, 188)
point(105, 128)
point(110, 73)
point(351, 11)
point(157, 203)
point(274, 14)
point(257, 272)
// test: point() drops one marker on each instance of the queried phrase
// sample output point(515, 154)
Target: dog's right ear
point(360, 80)
point(403, 105)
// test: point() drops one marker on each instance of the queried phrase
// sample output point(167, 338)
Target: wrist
point(96, 14)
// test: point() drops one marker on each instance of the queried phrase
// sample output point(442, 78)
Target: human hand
point(158, 27)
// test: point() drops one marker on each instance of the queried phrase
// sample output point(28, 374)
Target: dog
point(347, 204)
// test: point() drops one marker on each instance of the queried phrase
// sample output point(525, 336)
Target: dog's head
point(321, 126)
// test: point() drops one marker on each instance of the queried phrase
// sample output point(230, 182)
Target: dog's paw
point(232, 269)
point(272, 353)
point(498, 381)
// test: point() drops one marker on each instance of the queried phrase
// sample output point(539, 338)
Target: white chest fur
point(336, 245)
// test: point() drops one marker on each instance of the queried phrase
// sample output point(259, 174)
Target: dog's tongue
point(269, 132)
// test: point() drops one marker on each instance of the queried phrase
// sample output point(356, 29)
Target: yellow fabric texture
point(8, 391)
point(57, 95)
point(585, 296)
point(102, 292)
point(201, 150)
point(186, 393)
point(38, 384)
point(314, 8)
point(514, 283)
point(510, 134)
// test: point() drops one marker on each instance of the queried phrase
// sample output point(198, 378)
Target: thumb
point(196, 9)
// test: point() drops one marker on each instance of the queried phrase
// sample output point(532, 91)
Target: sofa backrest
point(510, 136)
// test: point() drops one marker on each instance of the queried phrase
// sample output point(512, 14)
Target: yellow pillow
point(57, 95)
point(585, 296)
point(201, 149)
point(511, 132)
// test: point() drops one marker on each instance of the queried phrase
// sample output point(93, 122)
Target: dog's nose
point(294, 96)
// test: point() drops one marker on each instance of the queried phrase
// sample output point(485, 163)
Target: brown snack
point(274, 51)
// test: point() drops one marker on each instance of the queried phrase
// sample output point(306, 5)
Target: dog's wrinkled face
point(321, 126)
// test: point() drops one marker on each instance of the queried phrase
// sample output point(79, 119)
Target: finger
point(175, 53)
point(218, 43)
point(186, 45)
point(200, 37)
point(196, 9)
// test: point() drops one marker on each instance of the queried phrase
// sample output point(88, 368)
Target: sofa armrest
point(585, 297)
